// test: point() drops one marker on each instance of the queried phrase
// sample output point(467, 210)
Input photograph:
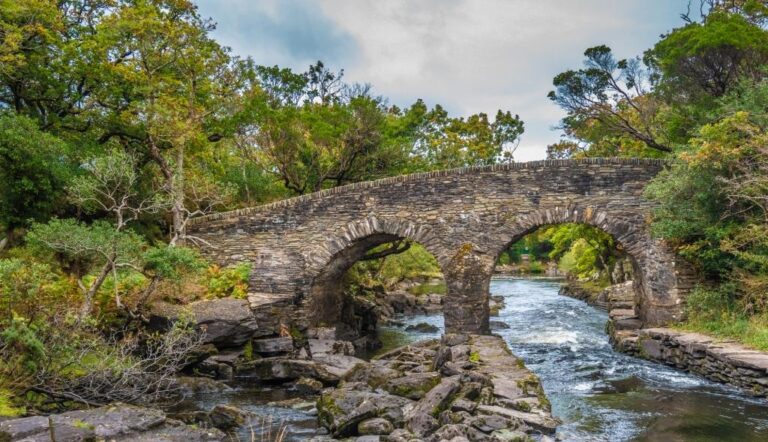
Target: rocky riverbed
point(459, 387)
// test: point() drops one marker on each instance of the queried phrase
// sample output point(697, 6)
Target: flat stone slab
point(117, 422)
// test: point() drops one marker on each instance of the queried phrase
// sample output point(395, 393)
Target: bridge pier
point(468, 279)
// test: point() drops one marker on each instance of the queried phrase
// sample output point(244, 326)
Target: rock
point(201, 353)
point(225, 322)
point(309, 386)
point(400, 435)
point(226, 417)
point(338, 364)
point(423, 327)
point(507, 435)
point(545, 424)
point(175, 431)
point(270, 310)
point(282, 370)
point(343, 409)
point(498, 325)
point(16, 429)
point(464, 405)
point(491, 423)
point(190, 385)
point(413, 386)
point(375, 426)
point(420, 419)
point(324, 347)
point(115, 422)
point(374, 375)
point(273, 346)
point(455, 433)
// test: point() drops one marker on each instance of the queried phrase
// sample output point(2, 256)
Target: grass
point(719, 312)
point(752, 332)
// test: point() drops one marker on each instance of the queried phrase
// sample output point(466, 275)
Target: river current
point(602, 395)
point(598, 394)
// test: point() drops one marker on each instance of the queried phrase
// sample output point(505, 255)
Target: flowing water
point(600, 395)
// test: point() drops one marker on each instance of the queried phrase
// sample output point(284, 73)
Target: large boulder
point(225, 322)
point(421, 417)
point(414, 385)
point(343, 409)
point(283, 370)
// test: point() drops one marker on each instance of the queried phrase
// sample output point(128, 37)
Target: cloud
point(289, 33)
point(469, 55)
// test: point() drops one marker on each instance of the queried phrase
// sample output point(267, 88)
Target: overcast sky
point(468, 55)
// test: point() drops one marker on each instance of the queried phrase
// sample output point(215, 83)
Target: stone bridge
point(299, 248)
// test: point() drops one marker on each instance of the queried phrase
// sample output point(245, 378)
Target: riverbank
point(717, 360)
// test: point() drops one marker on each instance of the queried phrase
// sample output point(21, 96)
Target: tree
point(699, 62)
point(612, 94)
point(98, 246)
point(34, 169)
point(109, 186)
point(170, 91)
point(314, 130)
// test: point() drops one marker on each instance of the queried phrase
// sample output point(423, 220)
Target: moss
point(326, 410)
point(474, 357)
point(410, 391)
point(7, 406)
point(77, 423)
point(531, 385)
point(248, 351)
point(522, 406)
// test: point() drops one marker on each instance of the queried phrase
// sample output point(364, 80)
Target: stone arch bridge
point(300, 247)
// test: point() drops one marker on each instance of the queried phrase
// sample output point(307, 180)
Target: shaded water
point(601, 395)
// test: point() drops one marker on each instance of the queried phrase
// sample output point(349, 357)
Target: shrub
point(228, 281)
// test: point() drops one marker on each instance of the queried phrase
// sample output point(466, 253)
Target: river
point(600, 395)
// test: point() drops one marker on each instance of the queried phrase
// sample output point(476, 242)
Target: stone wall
point(719, 361)
point(299, 248)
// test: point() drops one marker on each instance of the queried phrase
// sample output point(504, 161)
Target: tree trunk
point(3, 243)
point(87, 306)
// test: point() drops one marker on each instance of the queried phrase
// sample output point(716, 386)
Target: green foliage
point(22, 337)
point(428, 289)
point(7, 406)
point(33, 172)
point(699, 62)
point(416, 262)
point(89, 246)
point(718, 311)
point(228, 281)
point(172, 263)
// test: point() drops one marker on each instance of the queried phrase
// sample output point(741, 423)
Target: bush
point(228, 281)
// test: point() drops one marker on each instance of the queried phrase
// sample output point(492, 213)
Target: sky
point(468, 55)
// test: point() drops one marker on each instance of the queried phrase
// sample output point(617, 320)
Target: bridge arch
point(345, 247)
point(656, 268)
